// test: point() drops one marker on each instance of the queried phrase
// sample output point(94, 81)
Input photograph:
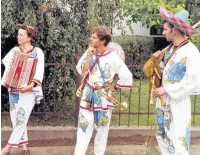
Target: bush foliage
point(137, 50)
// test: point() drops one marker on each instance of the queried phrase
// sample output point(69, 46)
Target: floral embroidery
point(171, 148)
point(83, 123)
point(176, 71)
point(106, 71)
point(34, 53)
point(20, 116)
point(93, 96)
point(13, 98)
point(186, 140)
point(167, 117)
point(12, 106)
point(160, 123)
point(100, 118)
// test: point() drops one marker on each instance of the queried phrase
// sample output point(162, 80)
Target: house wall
point(134, 29)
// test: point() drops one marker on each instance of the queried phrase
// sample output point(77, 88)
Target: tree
point(147, 11)
point(63, 31)
point(103, 12)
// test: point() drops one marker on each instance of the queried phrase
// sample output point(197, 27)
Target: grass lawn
point(140, 108)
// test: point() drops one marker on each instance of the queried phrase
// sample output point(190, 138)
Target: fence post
point(77, 99)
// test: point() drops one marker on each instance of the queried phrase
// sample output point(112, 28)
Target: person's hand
point(90, 53)
point(159, 91)
point(158, 55)
point(24, 89)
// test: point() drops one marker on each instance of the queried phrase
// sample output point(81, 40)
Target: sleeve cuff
point(123, 86)
point(37, 82)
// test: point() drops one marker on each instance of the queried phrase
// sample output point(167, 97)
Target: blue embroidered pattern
point(171, 148)
point(34, 53)
point(167, 117)
point(13, 97)
point(176, 71)
point(100, 118)
point(160, 122)
point(83, 123)
point(186, 140)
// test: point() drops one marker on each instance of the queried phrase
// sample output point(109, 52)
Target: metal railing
point(139, 111)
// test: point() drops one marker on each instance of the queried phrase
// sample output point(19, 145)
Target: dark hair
point(102, 33)
point(31, 31)
point(172, 26)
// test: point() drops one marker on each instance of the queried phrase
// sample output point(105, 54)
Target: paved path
point(111, 150)
point(121, 141)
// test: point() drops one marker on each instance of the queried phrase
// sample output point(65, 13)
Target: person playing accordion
point(22, 98)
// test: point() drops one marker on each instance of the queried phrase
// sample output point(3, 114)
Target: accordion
point(20, 70)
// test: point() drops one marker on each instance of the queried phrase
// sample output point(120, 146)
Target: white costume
point(105, 69)
point(180, 80)
point(21, 104)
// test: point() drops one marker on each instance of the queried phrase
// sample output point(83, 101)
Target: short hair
point(172, 26)
point(102, 33)
point(31, 31)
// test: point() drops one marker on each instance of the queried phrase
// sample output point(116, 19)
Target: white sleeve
point(8, 56)
point(190, 80)
point(39, 72)
point(80, 63)
point(124, 74)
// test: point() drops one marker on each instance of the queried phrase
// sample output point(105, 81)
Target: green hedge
point(137, 50)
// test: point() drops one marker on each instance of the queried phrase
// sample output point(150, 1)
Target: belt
point(96, 87)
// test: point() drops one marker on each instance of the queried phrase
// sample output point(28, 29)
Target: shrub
point(137, 50)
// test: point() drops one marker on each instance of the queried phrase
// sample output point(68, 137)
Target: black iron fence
point(62, 109)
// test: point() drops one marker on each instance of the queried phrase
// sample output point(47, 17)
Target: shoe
point(25, 152)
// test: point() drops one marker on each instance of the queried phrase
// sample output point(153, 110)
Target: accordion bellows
point(20, 71)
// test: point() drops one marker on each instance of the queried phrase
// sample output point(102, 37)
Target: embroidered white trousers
point(86, 125)
point(174, 123)
point(19, 113)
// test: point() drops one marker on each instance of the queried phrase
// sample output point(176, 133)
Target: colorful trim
point(23, 143)
point(17, 145)
point(37, 81)
point(123, 86)
point(104, 54)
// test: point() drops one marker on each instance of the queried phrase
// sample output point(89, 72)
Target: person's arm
point(84, 62)
point(8, 56)
point(125, 76)
point(189, 82)
point(39, 72)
